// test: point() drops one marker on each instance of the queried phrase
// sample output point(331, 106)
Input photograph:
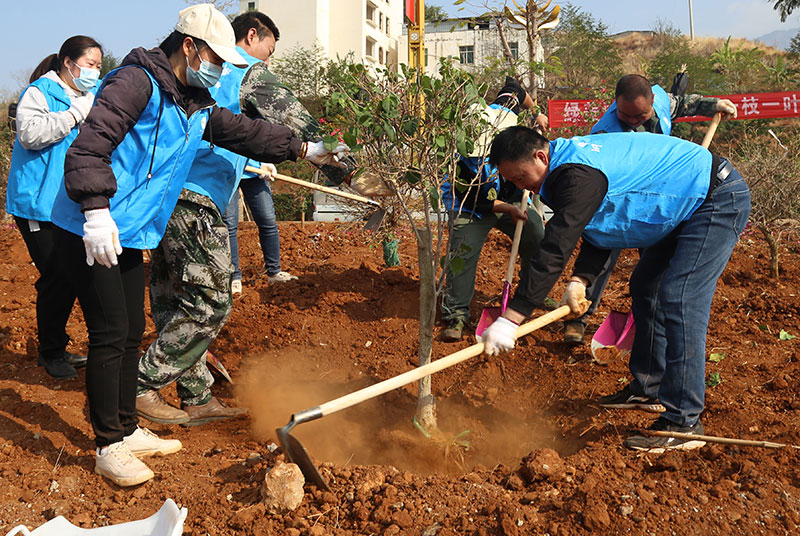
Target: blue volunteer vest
point(610, 121)
point(36, 175)
point(655, 182)
point(142, 205)
point(216, 171)
point(490, 180)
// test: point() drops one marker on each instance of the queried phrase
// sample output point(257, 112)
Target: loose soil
point(542, 457)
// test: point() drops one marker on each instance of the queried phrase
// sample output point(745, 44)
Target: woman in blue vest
point(49, 114)
point(682, 205)
point(123, 175)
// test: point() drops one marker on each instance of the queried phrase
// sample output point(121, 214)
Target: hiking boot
point(627, 399)
point(454, 330)
point(280, 277)
point(76, 360)
point(152, 406)
point(213, 410)
point(58, 368)
point(118, 464)
point(574, 332)
point(236, 286)
point(659, 444)
point(143, 443)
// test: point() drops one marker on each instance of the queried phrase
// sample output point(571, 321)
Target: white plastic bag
point(168, 521)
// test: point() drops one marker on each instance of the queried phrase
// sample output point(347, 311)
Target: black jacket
point(88, 177)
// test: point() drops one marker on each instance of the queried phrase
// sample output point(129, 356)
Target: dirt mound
point(523, 448)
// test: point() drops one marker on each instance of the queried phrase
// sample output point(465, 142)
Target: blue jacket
point(611, 123)
point(150, 174)
point(655, 182)
point(216, 172)
point(36, 175)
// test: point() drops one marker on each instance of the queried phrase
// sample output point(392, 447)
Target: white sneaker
point(143, 443)
point(119, 465)
point(281, 277)
point(236, 286)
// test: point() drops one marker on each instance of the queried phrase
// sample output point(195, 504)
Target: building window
point(426, 56)
point(514, 47)
point(371, 13)
point(251, 6)
point(380, 55)
point(387, 25)
point(380, 21)
point(467, 54)
point(370, 48)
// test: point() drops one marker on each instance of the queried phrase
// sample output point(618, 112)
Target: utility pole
point(416, 34)
point(691, 22)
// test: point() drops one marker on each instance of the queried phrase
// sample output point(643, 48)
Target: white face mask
point(87, 79)
point(206, 76)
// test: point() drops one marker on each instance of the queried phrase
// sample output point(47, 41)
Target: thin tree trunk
point(504, 42)
point(533, 39)
point(774, 252)
point(426, 404)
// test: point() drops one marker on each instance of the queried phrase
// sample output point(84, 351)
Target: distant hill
point(779, 38)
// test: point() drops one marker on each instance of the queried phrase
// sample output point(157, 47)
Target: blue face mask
point(87, 80)
point(206, 77)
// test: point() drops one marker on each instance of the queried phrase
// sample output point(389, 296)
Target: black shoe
point(454, 330)
point(658, 444)
point(75, 360)
point(57, 368)
point(627, 399)
point(574, 332)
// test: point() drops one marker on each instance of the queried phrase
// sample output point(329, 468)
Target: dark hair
point(254, 19)
point(511, 95)
point(514, 144)
point(73, 48)
point(174, 41)
point(633, 86)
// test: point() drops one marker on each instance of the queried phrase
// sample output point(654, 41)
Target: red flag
point(411, 10)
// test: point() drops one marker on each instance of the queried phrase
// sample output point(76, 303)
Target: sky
point(122, 25)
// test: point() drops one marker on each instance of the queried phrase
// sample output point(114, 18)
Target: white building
point(472, 44)
point(370, 29)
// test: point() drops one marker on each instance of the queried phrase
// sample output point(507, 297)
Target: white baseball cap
point(203, 21)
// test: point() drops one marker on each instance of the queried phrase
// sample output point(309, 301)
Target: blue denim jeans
point(672, 288)
point(258, 196)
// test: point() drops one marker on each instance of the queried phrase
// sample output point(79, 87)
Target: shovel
point(374, 220)
point(295, 451)
point(212, 360)
point(490, 314)
point(616, 329)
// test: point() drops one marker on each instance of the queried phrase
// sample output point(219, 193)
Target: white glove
point(101, 238)
point(727, 107)
point(318, 154)
point(268, 171)
point(499, 337)
point(80, 107)
point(574, 296)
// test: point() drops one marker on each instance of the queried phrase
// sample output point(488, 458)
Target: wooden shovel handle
point(306, 184)
point(426, 370)
point(712, 128)
point(523, 206)
point(726, 440)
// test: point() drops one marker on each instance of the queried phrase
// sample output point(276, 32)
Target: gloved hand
point(727, 107)
point(80, 107)
point(542, 124)
point(268, 171)
point(499, 337)
point(575, 297)
point(101, 238)
point(318, 154)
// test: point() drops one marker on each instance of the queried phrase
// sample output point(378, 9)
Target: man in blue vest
point(685, 209)
point(640, 107)
point(477, 202)
point(190, 270)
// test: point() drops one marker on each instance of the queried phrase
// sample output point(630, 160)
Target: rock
point(596, 517)
point(625, 509)
point(243, 519)
point(544, 464)
point(292, 532)
point(669, 461)
point(317, 530)
point(391, 530)
point(514, 482)
point(403, 519)
point(283, 488)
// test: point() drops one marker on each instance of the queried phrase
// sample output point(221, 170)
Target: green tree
point(381, 118)
point(434, 13)
point(794, 49)
point(673, 50)
point(585, 53)
point(303, 70)
point(110, 62)
point(741, 68)
point(785, 7)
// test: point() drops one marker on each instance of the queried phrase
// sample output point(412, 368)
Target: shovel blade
point(375, 220)
point(217, 364)
point(488, 316)
point(618, 330)
point(297, 454)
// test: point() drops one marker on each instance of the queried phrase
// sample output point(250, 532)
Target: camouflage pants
point(190, 298)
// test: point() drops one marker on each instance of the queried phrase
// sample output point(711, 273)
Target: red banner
point(411, 10)
point(581, 112)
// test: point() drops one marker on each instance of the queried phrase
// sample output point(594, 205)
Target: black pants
point(112, 300)
point(55, 295)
